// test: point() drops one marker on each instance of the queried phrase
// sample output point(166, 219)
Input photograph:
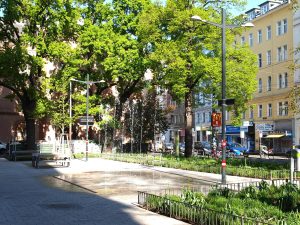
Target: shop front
point(276, 136)
point(238, 135)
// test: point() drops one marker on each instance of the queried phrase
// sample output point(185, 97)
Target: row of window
point(282, 82)
point(176, 119)
point(282, 55)
point(281, 29)
point(282, 110)
point(203, 117)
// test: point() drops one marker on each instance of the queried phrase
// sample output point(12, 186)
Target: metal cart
point(58, 151)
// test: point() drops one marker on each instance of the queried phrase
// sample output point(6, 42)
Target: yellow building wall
point(276, 94)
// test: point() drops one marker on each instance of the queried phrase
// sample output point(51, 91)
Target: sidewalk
point(30, 196)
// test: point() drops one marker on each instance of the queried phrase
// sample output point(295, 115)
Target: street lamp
point(87, 82)
point(223, 26)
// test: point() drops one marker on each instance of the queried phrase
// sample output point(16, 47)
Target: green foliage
point(248, 192)
point(193, 198)
point(224, 192)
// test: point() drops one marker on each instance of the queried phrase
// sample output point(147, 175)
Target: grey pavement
point(95, 192)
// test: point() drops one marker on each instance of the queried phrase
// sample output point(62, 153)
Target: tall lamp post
point(87, 82)
point(223, 27)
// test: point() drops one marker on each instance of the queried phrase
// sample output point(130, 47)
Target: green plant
point(224, 192)
point(193, 198)
point(248, 192)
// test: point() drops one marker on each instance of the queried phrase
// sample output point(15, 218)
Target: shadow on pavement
point(31, 197)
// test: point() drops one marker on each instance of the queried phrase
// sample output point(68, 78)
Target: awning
point(274, 136)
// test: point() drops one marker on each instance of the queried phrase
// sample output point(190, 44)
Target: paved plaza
point(94, 192)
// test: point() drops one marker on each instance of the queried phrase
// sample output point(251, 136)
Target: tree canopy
point(117, 42)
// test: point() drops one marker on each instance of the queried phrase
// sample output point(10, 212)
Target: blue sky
point(251, 4)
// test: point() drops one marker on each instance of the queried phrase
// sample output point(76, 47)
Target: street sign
point(229, 101)
point(84, 119)
point(216, 119)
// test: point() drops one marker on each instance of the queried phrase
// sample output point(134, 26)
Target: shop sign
point(264, 127)
point(247, 123)
point(216, 119)
point(232, 129)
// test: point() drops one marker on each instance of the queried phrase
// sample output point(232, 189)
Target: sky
point(251, 4)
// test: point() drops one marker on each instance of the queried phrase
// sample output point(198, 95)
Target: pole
point(142, 114)
point(223, 95)
point(70, 113)
point(132, 118)
point(87, 116)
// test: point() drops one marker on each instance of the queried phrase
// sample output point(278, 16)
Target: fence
point(196, 215)
point(240, 186)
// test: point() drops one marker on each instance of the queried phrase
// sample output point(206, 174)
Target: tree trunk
point(29, 105)
point(188, 125)
point(30, 133)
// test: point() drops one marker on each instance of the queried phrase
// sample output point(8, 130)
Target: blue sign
point(232, 129)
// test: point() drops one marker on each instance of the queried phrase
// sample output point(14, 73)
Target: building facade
point(269, 119)
point(272, 40)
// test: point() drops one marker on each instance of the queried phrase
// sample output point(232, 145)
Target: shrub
point(224, 192)
point(193, 198)
point(248, 192)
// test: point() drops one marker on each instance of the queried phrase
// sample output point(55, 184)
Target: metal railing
point(196, 215)
point(239, 186)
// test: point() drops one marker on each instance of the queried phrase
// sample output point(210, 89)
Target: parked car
point(182, 147)
point(236, 149)
point(2, 147)
point(203, 148)
point(169, 147)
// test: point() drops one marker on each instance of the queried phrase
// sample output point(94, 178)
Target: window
point(251, 40)
point(198, 119)
point(279, 32)
point(259, 111)
point(209, 117)
point(280, 81)
point(259, 36)
point(242, 40)
point(269, 110)
point(269, 57)
point(198, 135)
point(269, 33)
point(285, 28)
point(279, 54)
point(264, 9)
point(173, 119)
point(259, 60)
point(203, 117)
point(269, 85)
point(260, 85)
point(283, 108)
point(286, 80)
point(285, 56)
point(251, 114)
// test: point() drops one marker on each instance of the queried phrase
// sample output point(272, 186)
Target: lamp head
point(248, 25)
point(197, 18)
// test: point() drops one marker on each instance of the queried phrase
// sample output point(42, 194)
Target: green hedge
point(235, 167)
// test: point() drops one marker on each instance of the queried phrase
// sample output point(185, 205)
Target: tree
point(186, 55)
point(27, 29)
